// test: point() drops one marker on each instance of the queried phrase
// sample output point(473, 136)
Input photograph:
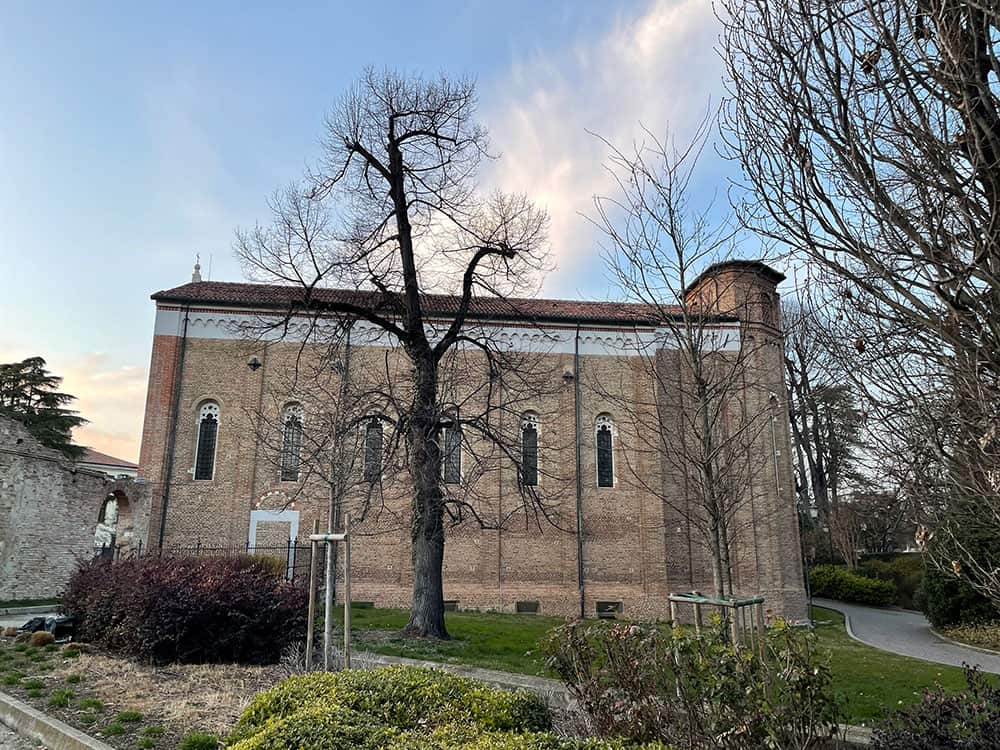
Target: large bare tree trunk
point(427, 524)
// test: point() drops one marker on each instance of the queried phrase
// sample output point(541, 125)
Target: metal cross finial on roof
point(196, 276)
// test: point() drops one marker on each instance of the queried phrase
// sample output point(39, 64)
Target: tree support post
point(311, 623)
point(327, 540)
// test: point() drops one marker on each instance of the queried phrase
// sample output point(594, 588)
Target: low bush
point(949, 601)
point(906, 571)
point(276, 566)
point(969, 720)
point(464, 738)
point(399, 708)
point(400, 698)
point(193, 610)
point(41, 638)
point(657, 683)
point(832, 582)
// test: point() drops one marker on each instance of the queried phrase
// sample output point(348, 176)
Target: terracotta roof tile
point(277, 296)
point(90, 456)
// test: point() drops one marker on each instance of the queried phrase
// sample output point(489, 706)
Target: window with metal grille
point(208, 433)
point(529, 450)
point(373, 450)
point(451, 461)
point(291, 443)
point(605, 452)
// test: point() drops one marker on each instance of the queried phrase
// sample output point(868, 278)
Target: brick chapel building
point(216, 479)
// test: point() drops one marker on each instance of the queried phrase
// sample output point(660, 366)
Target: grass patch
point(92, 704)
point(128, 717)
point(145, 743)
point(153, 730)
point(71, 653)
point(12, 679)
point(113, 729)
point(34, 693)
point(870, 682)
point(87, 718)
point(492, 641)
point(32, 684)
point(74, 679)
point(199, 741)
point(61, 698)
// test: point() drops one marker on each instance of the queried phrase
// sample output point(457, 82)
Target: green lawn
point(868, 681)
point(493, 641)
point(873, 682)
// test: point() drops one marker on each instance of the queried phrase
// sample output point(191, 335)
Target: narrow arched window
point(373, 450)
point(529, 450)
point(451, 461)
point(291, 443)
point(208, 435)
point(605, 428)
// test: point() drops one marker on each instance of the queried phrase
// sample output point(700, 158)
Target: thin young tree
point(706, 419)
point(392, 214)
point(869, 136)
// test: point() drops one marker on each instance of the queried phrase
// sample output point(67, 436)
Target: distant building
point(116, 468)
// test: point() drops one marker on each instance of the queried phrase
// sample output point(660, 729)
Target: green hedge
point(398, 708)
point(832, 582)
point(906, 571)
point(948, 601)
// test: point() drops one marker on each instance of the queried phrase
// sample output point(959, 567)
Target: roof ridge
point(443, 295)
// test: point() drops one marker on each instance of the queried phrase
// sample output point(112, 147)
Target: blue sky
point(133, 137)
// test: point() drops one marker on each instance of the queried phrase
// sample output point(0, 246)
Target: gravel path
point(11, 741)
point(908, 633)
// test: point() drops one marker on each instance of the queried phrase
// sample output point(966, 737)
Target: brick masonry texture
point(48, 514)
point(637, 548)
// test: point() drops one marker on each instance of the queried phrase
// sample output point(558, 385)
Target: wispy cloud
point(112, 399)
point(655, 69)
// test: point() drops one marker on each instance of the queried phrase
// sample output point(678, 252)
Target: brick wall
point(636, 547)
point(48, 514)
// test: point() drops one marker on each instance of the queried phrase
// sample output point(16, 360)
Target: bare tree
point(392, 214)
point(869, 135)
point(706, 419)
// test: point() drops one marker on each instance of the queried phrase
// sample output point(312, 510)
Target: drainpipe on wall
point(579, 473)
point(172, 436)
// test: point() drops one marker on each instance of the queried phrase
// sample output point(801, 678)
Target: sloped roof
point(90, 456)
point(274, 296)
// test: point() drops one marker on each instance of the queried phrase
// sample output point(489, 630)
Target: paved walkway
point(908, 633)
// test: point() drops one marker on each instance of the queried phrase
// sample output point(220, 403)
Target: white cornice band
point(526, 337)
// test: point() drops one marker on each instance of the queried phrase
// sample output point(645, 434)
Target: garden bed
point(128, 705)
point(980, 636)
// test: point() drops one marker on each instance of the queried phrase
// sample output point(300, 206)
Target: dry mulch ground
point(984, 636)
point(130, 705)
